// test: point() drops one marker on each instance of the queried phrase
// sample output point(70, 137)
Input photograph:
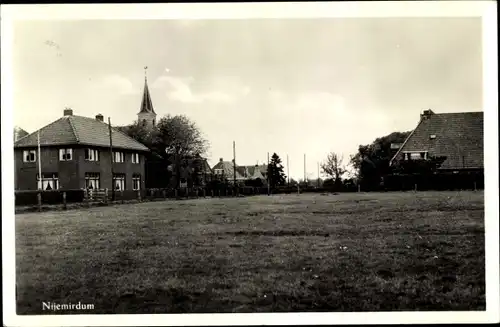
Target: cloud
point(118, 84)
point(180, 89)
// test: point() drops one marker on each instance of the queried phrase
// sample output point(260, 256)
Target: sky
point(290, 86)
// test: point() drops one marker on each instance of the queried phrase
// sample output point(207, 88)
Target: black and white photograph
point(255, 161)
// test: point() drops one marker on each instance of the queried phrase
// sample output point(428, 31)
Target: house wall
point(71, 173)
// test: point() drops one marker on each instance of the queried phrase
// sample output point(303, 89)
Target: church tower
point(146, 115)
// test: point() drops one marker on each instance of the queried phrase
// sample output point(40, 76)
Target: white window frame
point(136, 182)
point(91, 154)
point(135, 158)
point(411, 155)
point(65, 154)
point(219, 171)
point(51, 179)
point(119, 179)
point(118, 156)
point(92, 181)
point(27, 156)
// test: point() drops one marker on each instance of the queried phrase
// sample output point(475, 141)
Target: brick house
point(75, 154)
point(457, 136)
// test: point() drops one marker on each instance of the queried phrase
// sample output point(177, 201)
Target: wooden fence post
point(39, 200)
point(121, 195)
point(105, 196)
point(164, 194)
point(175, 193)
point(415, 187)
point(219, 193)
point(204, 193)
point(359, 188)
point(475, 186)
point(212, 193)
point(64, 201)
point(139, 195)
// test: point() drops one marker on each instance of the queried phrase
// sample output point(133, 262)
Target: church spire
point(146, 104)
point(147, 114)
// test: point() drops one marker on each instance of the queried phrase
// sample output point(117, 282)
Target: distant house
point(224, 170)
point(456, 136)
point(193, 172)
point(75, 154)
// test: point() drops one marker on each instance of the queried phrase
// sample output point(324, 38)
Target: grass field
point(346, 252)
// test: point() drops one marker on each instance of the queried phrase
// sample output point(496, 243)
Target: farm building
point(456, 136)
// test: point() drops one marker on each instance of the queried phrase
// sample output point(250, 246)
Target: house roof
point(458, 136)
point(242, 172)
point(146, 104)
point(19, 133)
point(73, 130)
point(228, 169)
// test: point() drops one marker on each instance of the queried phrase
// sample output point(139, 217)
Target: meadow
point(310, 253)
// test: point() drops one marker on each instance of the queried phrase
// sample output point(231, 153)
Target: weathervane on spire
point(145, 72)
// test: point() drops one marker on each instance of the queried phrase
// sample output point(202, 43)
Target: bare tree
point(334, 167)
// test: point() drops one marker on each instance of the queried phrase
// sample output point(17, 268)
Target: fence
point(391, 183)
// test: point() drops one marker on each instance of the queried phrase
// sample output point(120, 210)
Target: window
point(92, 181)
point(91, 155)
point(119, 182)
point(136, 182)
point(432, 136)
point(29, 156)
point(135, 158)
point(119, 157)
point(218, 171)
point(415, 156)
point(65, 154)
point(49, 182)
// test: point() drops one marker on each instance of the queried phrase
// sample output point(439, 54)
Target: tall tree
point(334, 167)
point(276, 172)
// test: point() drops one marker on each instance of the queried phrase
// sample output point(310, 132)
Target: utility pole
point(234, 164)
point(111, 157)
point(39, 162)
point(288, 170)
point(304, 168)
point(318, 174)
point(268, 177)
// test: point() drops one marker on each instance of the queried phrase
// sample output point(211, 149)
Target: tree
point(334, 167)
point(275, 172)
point(174, 139)
point(371, 162)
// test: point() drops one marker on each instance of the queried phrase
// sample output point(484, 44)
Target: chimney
point(427, 114)
point(68, 112)
point(99, 117)
point(220, 160)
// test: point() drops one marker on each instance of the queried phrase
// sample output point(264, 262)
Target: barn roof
point(458, 136)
